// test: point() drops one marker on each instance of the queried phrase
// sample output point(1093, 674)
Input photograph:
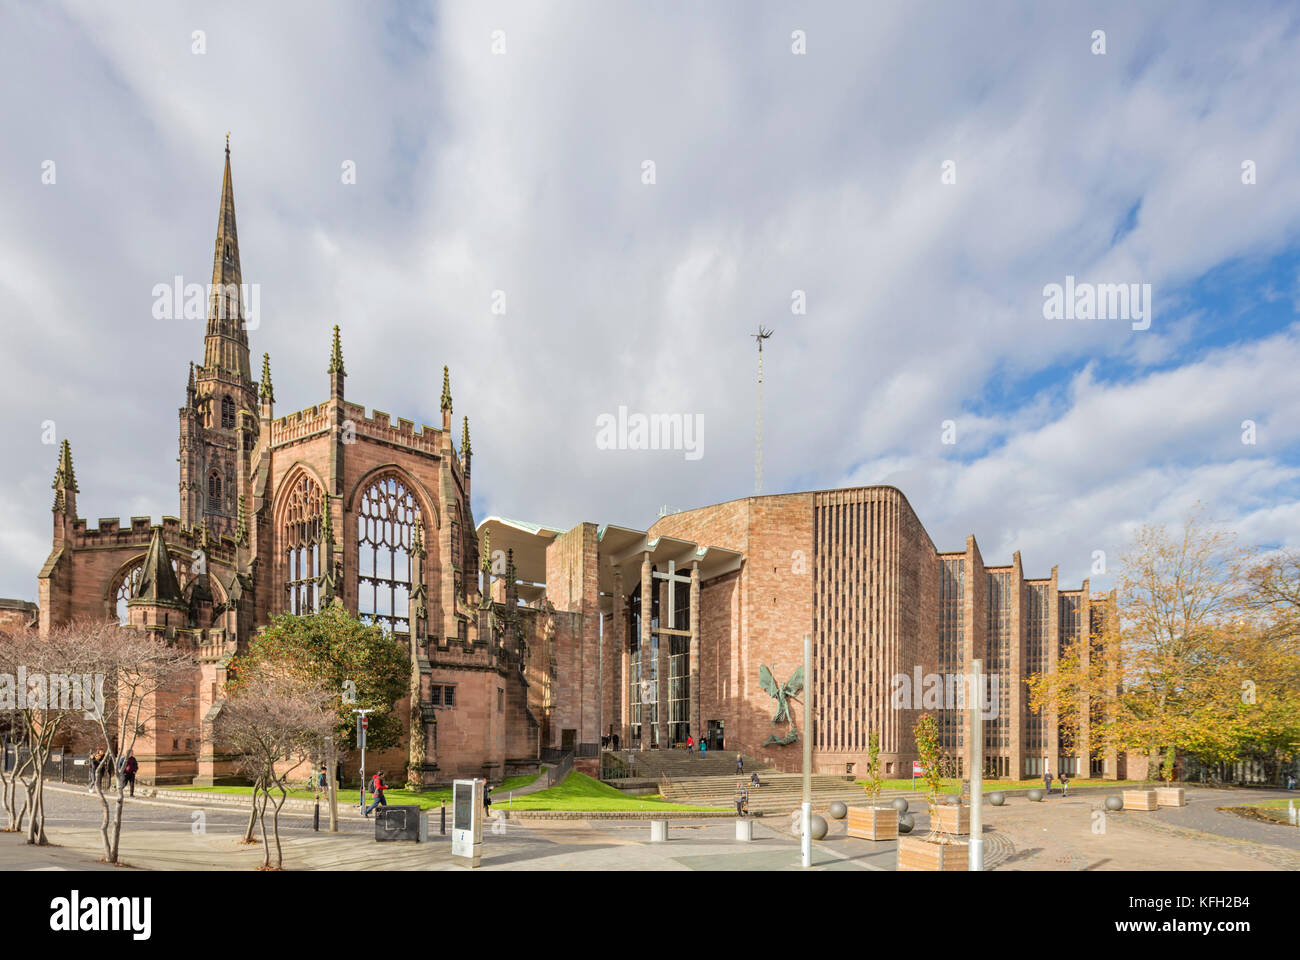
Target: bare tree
point(145, 677)
point(274, 723)
point(50, 680)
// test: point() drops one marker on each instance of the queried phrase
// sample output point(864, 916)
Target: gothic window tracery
point(301, 532)
point(386, 515)
point(214, 492)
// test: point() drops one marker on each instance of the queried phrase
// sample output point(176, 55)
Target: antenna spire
point(758, 426)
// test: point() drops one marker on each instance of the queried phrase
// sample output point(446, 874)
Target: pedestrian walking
point(1065, 784)
point(96, 768)
point(704, 745)
point(690, 745)
point(338, 773)
point(740, 764)
point(323, 781)
point(377, 788)
point(487, 801)
point(1047, 781)
point(128, 771)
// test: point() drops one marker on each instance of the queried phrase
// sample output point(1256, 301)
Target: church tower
point(221, 390)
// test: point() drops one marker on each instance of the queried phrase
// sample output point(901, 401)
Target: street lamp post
point(975, 697)
point(805, 819)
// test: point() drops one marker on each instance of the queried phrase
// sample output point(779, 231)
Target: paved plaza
point(1061, 834)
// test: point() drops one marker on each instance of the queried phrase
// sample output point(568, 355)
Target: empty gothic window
point(227, 413)
point(301, 545)
point(125, 587)
point(386, 515)
point(125, 590)
point(214, 492)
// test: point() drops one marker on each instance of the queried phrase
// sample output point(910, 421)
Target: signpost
point(467, 820)
point(918, 770)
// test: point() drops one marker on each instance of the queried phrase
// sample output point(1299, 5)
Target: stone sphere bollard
point(997, 798)
point(839, 810)
point(906, 823)
point(819, 827)
point(1114, 803)
point(900, 804)
point(1035, 795)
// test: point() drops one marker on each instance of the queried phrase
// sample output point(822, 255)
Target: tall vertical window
point(998, 639)
point(1036, 635)
point(227, 413)
point(634, 665)
point(952, 635)
point(301, 544)
point(214, 492)
point(386, 515)
point(679, 670)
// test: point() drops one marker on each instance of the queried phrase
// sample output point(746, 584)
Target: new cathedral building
point(528, 641)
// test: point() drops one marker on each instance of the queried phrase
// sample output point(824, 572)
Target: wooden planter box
point(873, 823)
point(918, 853)
point(953, 820)
point(1140, 800)
point(1171, 797)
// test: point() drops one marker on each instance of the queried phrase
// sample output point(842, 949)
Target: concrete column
point(696, 709)
point(663, 687)
point(647, 606)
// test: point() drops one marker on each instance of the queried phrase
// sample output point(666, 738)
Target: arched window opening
point(214, 492)
point(227, 413)
point(302, 546)
point(386, 515)
point(130, 580)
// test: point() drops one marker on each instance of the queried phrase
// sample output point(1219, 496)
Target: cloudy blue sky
point(774, 172)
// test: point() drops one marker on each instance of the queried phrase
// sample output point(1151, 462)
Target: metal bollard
point(443, 829)
point(315, 817)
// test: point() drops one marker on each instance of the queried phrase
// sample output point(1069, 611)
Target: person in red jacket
point(377, 788)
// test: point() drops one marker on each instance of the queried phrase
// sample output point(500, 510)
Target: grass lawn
point(429, 799)
point(581, 792)
point(1279, 803)
point(952, 786)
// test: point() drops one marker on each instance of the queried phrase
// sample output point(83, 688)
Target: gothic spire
point(465, 448)
point(65, 480)
point(241, 528)
point(446, 390)
point(336, 355)
point(189, 387)
point(225, 257)
point(157, 578)
point(267, 392)
point(226, 345)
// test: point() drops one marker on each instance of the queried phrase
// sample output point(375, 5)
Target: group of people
point(126, 768)
point(1047, 782)
point(609, 741)
point(703, 744)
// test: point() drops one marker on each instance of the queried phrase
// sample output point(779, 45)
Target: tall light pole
point(758, 426)
point(805, 819)
point(975, 696)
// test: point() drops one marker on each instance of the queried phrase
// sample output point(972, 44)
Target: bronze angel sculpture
point(781, 693)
